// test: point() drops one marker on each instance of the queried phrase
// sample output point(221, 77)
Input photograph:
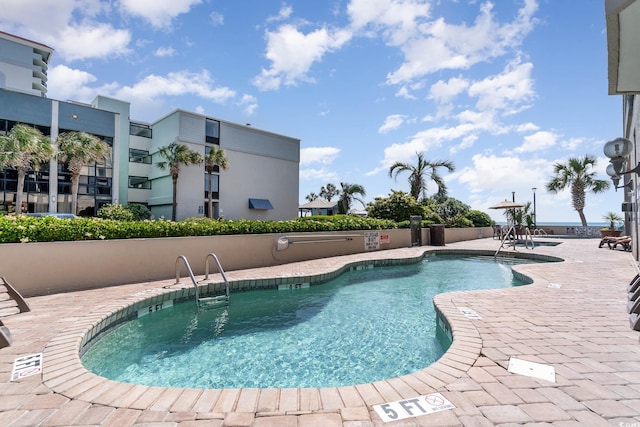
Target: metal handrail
point(206, 270)
point(188, 267)
point(512, 241)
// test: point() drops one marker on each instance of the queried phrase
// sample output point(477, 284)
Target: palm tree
point(328, 192)
point(176, 155)
point(215, 157)
point(347, 196)
point(311, 197)
point(77, 150)
point(578, 175)
point(419, 172)
point(24, 148)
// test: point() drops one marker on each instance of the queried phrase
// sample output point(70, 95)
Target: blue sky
point(502, 89)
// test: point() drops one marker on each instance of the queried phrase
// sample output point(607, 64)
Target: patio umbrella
point(507, 205)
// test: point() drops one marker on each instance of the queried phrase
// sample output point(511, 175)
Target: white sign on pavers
point(414, 407)
point(532, 369)
point(469, 313)
point(26, 366)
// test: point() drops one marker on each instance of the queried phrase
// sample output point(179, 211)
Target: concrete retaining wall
point(46, 268)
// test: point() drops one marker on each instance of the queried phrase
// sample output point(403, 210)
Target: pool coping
point(64, 373)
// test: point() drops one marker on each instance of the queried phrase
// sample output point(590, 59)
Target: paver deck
point(573, 317)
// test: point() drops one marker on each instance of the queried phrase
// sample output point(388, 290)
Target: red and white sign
point(414, 407)
point(384, 239)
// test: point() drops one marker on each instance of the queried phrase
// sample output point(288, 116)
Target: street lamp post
point(535, 219)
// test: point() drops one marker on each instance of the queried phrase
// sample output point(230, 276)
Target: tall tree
point(77, 150)
point(578, 175)
point(328, 192)
point(215, 157)
point(348, 196)
point(24, 148)
point(419, 173)
point(176, 155)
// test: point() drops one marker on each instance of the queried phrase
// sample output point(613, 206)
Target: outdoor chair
point(613, 242)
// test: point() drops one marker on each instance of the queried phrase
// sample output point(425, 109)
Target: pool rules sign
point(414, 407)
point(26, 366)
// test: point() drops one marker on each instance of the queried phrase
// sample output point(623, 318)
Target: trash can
point(415, 224)
point(436, 233)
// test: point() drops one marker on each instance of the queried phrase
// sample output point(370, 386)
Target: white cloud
point(165, 51)
point(500, 175)
point(443, 91)
point(398, 20)
point(438, 45)
point(249, 104)
point(217, 19)
point(323, 155)
point(174, 84)
point(538, 141)
point(159, 13)
point(392, 122)
point(284, 13)
point(572, 144)
point(526, 127)
point(510, 91)
point(69, 26)
point(67, 83)
point(144, 95)
point(321, 175)
point(92, 40)
point(292, 53)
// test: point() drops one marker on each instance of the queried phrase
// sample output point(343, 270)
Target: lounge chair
point(613, 242)
point(5, 336)
point(624, 242)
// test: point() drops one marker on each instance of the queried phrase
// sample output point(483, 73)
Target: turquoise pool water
point(364, 326)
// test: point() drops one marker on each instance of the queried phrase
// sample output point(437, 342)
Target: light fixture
point(616, 178)
point(74, 116)
point(617, 150)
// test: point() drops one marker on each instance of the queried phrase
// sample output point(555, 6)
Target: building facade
point(23, 64)
point(623, 46)
point(261, 181)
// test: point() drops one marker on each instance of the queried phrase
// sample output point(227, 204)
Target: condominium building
point(23, 64)
point(261, 181)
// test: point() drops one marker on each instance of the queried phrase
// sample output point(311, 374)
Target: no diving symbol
point(435, 400)
point(29, 372)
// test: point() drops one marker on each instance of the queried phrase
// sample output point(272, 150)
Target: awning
point(260, 204)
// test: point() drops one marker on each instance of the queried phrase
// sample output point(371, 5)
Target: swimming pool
point(365, 325)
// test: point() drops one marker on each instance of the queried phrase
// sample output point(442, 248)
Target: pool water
point(364, 326)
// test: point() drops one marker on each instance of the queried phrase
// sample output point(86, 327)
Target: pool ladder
point(512, 236)
point(214, 301)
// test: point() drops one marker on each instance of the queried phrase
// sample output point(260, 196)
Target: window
point(138, 129)
point(262, 204)
point(139, 156)
point(212, 131)
point(139, 182)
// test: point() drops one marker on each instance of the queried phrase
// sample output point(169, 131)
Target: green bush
point(399, 207)
point(140, 212)
point(116, 212)
point(49, 228)
point(479, 218)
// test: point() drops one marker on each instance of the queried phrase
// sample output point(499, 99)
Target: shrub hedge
point(24, 229)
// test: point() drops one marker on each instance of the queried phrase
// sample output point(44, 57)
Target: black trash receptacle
point(436, 233)
point(415, 223)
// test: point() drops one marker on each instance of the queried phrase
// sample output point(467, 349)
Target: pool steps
point(205, 302)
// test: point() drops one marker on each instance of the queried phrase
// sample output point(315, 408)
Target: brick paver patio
point(573, 317)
